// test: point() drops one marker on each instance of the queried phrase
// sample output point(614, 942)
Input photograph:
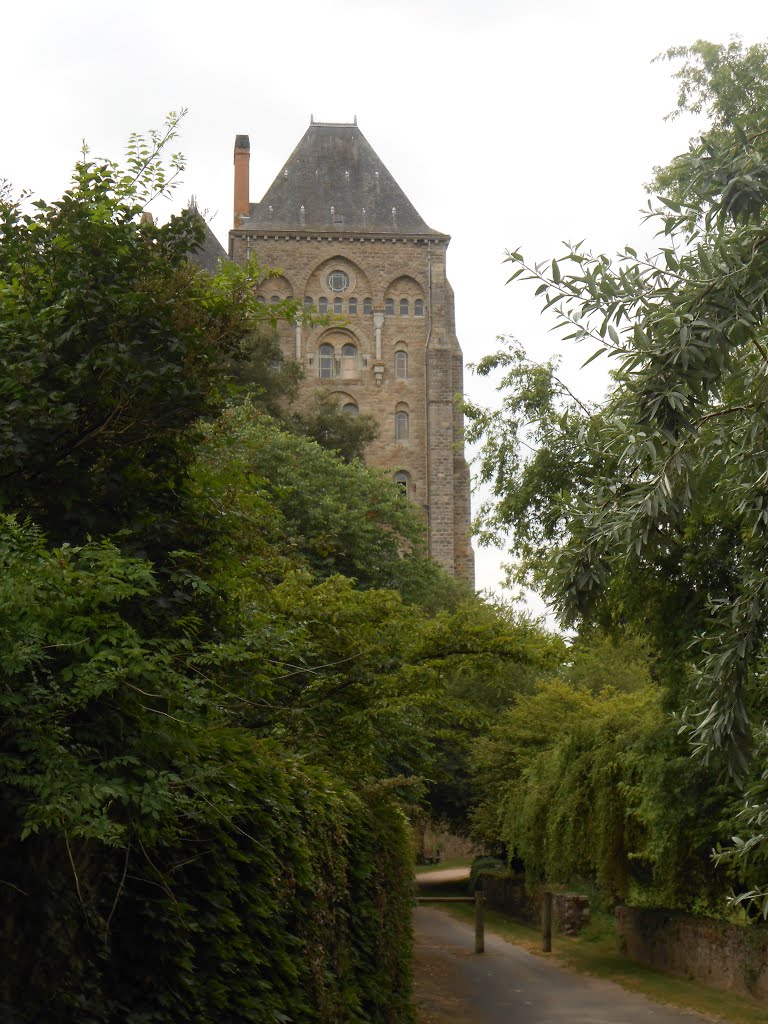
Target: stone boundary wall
point(507, 893)
point(726, 956)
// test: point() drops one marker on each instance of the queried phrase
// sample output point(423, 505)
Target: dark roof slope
point(210, 252)
point(334, 180)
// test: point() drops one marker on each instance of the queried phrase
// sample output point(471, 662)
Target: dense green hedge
point(599, 788)
point(293, 907)
point(160, 863)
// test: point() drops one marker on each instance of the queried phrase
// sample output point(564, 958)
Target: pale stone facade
point(348, 241)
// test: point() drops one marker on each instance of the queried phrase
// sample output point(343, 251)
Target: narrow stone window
point(389, 307)
point(401, 365)
point(401, 426)
point(352, 307)
point(326, 362)
point(404, 307)
point(322, 304)
point(260, 298)
point(349, 361)
point(308, 302)
point(274, 300)
point(350, 409)
point(418, 307)
point(337, 306)
point(401, 479)
point(367, 306)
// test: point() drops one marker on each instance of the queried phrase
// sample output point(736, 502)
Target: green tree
point(670, 520)
point(596, 787)
point(325, 423)
point(269, 488)
point(113, 345)
point(174, 776)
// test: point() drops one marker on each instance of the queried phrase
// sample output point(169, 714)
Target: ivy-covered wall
point(296, 908)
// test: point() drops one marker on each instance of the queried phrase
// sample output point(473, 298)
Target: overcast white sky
point(506, 123)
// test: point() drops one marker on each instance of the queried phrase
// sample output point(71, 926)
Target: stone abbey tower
point(349, 242)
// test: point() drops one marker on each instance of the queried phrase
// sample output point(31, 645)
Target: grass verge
point(594, 952)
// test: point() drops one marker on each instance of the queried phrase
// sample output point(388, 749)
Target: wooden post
point(546, 923)
point(479, 921)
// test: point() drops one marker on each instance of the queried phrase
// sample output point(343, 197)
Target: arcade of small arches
point(338, 281)
point(336, 305)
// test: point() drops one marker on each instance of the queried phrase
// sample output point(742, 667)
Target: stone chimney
point(242, 175)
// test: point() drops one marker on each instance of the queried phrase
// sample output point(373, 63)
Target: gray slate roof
point(336, 176)
point(210, 252)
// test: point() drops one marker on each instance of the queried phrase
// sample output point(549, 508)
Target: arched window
point(322, 304)
point(401, 365)
point(349, 361)
point(401, 479)
point(260, 298)
point(326, 362)
point(352, 307)
point(418, 307)
point(274, 300)
point(404, 307)
point(389, 307)
point(308, 302)
point(337, 306)
point(401, 426)
point(350, 409)
point(367, 306)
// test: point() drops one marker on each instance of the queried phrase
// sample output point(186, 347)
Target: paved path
point(442, 876)
point(507, 985)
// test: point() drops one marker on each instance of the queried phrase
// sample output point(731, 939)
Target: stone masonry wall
point(507, 893)
point(725, 956)
point(381, 269)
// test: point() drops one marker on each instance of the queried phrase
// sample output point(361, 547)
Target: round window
point(338, 281)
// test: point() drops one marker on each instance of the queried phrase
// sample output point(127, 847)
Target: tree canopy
point(228, 666)
point(652, 507)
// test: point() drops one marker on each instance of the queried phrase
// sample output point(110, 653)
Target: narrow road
point(507, 985)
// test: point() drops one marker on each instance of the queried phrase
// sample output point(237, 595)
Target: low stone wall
point(507, 893)
point(570, 912)
point(725, 956)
